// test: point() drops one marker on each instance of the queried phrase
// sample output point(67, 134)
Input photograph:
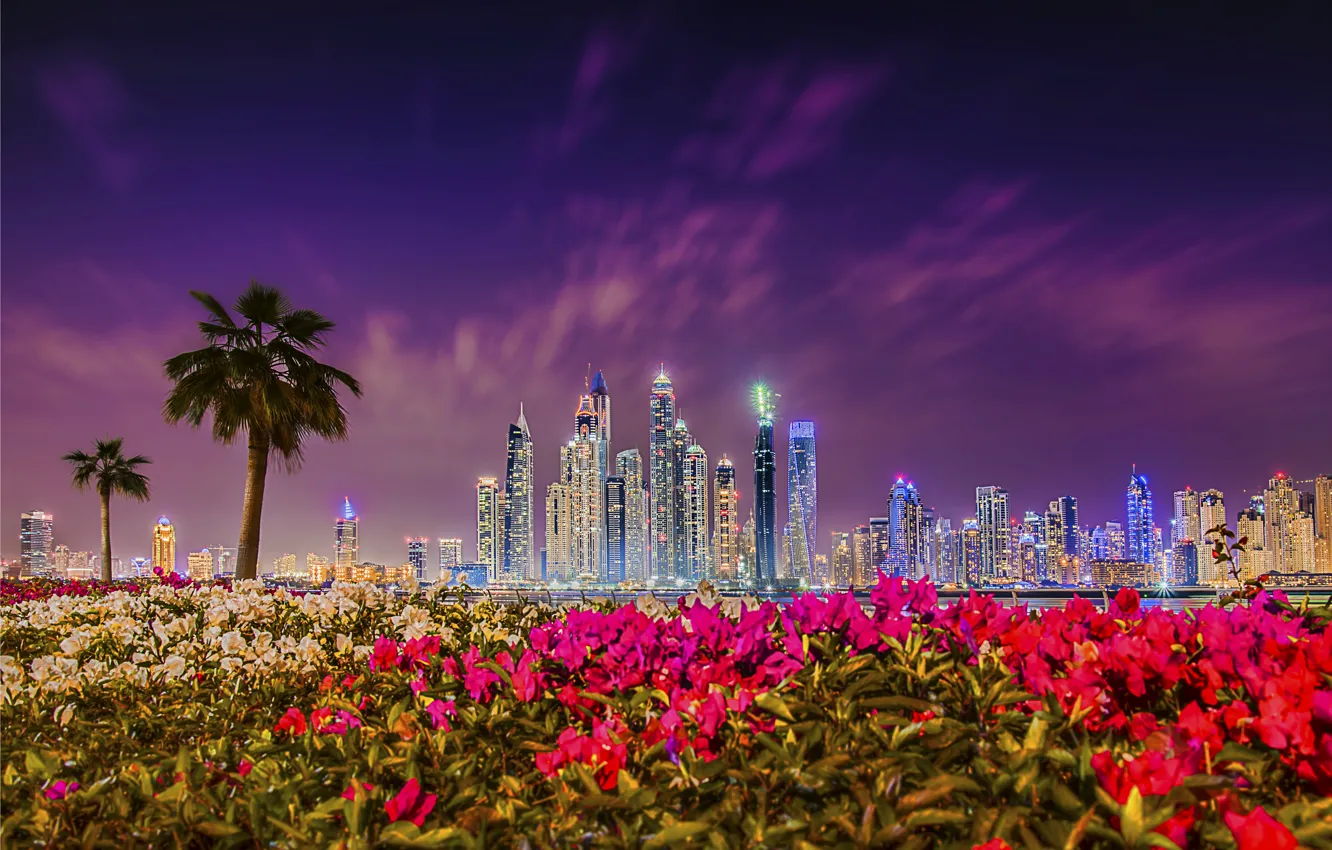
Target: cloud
point(607, 52)
point(768, 120)
point(92, 103)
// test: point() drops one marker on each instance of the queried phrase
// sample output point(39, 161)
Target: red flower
point(385, 654)
point(293, 722)
point(410, 804)
point(1260, 831)
point(244, 768)
point(1127, 600)
point(993, 844)
point(363, 787)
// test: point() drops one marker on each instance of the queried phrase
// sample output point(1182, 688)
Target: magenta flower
point(60, 789)
point(410, 804)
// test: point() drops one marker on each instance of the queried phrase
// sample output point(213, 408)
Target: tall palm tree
point(109, 472)
point(259, 378)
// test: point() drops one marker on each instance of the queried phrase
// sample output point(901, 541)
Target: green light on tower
point(765, 402)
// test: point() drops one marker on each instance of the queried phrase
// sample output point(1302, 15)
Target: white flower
point(230, 664)
point(73, 644)
point(233, 643)
point(344, 643)
point(62, 715)
point(173, 667)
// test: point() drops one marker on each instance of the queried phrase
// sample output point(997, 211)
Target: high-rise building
point(629, 466)
point(945, 552)
point(519, 542)
point(765, 488)
point(318, 569)
point(1280, 506)
point(1256, 559)
point(681, 440)
point(601, 406)
point(416, 556)
point(59, 562)
point(748, 549)
point(587, 522)
point(862, 562)
point(697, 481)
point(1323, 523)
point(1186, 520)
point(880, 535)
point(450, 553)
point(1069, 526)
point(661, 486)
point(1302, 544)
point(346, 543)
point(617, 530)
point(200, 565)
point(1116, 540)
point(36, 539)
point(973, 552)
point(487, 526)
point(82, 566)
point(841, 565)
point(725, 522)
point(557, 532)
point(992, 520)
point(905, 534)
point(284, 566)
point(784, 565)
point(164, 545)
point(1140, 530)
point(802, 496)
point(1211, 514)
point(224, 560)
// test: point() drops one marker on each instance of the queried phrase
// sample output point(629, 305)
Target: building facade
point(200, 565)
point(906, 531)
point(802, 495)
point(765, 489)
point(519, 541)
point(164, 545)
point(416, 556)
point(557, 532)
point(36, 542)
point(992, 522)
point(488, 515)
point(617, 530)
point(346, 542)
point(450, 553)
point(725, 522)
point(587, 522)
point(1140, 529)
point(661, 486)
point(697, 481)
point(629, 466)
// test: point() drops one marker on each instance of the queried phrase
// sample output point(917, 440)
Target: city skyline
point(898, 232)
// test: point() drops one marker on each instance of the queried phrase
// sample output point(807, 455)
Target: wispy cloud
point(764, 121)
point(92, 103)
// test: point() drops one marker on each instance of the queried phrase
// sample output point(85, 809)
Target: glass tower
point(487, 519)
point(697, 478)
point(519, 530)
point(617, 531)
point(765, 486)
point(802, 494)
point(36, 532)
point(725, 521)
point(661, 484)
point(1140, 533)
point(629, 466)
point(416, 556)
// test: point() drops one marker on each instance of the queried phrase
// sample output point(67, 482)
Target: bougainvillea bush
point(176, 715)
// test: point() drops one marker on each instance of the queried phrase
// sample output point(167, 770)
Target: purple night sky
point(975, 247)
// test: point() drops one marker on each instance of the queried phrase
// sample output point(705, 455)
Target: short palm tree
point(258, 377)
point(109, 472)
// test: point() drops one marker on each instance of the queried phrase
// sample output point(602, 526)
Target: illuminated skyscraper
point(880, 541)
point(36, 538)
point(725, 522)
point(1140, 530)
point(1256, 559)
point(1211, 514)
point(748, 549)
point(992, 522)
point(200, 565)
point(973, 552)
point(164, 545)
point(944, 567)
point(661, 486)
point(802, 496)
point(1323, 523)
point(601, 406)
point(862, 562)
point(841, 565)
point(1186, 521)
point(346, 543)
point(416, 556)
point(765, 488)
point(450, 553)
point(1280, 506)
point(905, 543)
point(1069, 526)
point(587, 524)
point(557, 532)
point(284, 566)
point(617, 531)
point(1115, 540)
point(681, 440)
point(629, 466)
point(1302, 544)
point(487, 526)
point(519, 542)
point(697, 482)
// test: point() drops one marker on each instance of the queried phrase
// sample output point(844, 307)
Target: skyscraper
point(284, 566)
point(697, 482)
point(1069, 527)
point(200, 565)
point(1140, 530)
point(601, 406)
point(557, 532)
point(662, 477)
point(992, 522)
point(1114, 540)
point(346, 543)
point(1280, 507)
point(765, 488)
point(1256, 559)
point(1211, 514)
point(450, 553)
point(841, 565)
point(725, 522)
point(944, 568)
point(905, 530)
point(164, 545)
point(617, 532)
point(519, 529)
point(416, 556)
point(629, 466)
point(880, 529)
point(487, 526)
point(973, 552)
point(802, 497)
point(862, 562)
point(1186, 521)
point(681, 440)
point(587, 528)
point(36, 536)
point(1301, 558)
point(1323, 523)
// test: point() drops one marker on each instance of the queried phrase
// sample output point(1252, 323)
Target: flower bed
point(180, 715)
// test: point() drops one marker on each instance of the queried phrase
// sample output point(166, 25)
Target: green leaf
point(773, 704)
point(681, 831)
point(1130, 817)
point(217, 829)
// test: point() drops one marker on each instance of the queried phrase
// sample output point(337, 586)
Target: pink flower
point(385, 655)
point(293, 723)
point(440, 711)
point(1260, 831)
point(60, 789)
point(244, 768)
point(993, 844)
point(357, 785)
point(1126, 600)
point(410, 804)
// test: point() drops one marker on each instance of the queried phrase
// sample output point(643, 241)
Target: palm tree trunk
point(106, 536)
point(247, 551)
